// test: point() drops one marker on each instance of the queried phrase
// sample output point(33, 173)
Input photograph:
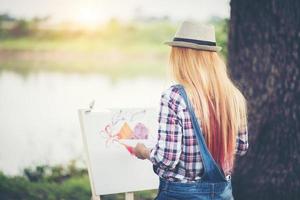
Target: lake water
point(38, 113)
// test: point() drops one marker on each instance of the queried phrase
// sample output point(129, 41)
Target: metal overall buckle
point(228, 177)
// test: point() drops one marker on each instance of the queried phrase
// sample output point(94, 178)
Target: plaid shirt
point(176, 156)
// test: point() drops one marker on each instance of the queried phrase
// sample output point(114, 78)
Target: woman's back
point(177, 156)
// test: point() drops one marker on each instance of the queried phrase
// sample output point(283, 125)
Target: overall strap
point(212, 172)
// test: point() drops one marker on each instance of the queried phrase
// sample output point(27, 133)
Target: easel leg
point(129, 196)
point(95, 198)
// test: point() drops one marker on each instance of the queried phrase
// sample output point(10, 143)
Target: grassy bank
point(54, 183)
point(117, 50)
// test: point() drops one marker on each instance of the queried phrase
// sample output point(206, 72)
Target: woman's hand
point(141, 151)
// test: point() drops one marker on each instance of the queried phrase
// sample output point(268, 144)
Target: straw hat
point(196, 36)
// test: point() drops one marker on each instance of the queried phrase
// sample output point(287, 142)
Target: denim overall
point(213, 183)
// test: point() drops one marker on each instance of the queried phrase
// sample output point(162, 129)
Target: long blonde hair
point(219, 105)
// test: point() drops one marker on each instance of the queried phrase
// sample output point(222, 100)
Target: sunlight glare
point(88, 17)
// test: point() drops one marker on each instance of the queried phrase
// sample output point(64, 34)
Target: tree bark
point(264, 50)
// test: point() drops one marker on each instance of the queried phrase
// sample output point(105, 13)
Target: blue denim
point(213, 183)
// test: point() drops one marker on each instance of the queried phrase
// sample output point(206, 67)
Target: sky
point(95, 11)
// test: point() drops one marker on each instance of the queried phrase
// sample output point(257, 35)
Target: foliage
point(55, 182)
point(46, 182)
point(133, 48)
point(221, 28)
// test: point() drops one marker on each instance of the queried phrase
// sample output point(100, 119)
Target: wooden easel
point(128, 195)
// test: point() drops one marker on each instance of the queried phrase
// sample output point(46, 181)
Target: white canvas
point(111, 166)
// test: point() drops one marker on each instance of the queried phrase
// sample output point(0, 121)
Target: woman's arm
point(167, 150)
point(242, 143)
point(141, 151)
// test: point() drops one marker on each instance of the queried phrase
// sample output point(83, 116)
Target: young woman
point(202, 121)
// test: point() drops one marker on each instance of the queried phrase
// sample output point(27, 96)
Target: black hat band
point(200, 42)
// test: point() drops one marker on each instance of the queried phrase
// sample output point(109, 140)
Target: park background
point(58, 56)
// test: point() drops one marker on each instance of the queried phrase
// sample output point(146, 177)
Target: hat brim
point(193, 46)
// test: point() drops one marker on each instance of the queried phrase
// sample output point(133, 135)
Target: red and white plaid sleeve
point(167, 151)
point(242, 143)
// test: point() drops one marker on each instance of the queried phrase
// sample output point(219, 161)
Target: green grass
point(75, 188)
point(55, 183)
point(113, 64)
point(84, 43)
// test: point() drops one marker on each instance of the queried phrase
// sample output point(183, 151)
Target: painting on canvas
point(109, 137)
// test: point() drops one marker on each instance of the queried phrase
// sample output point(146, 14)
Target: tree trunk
point(264, 59)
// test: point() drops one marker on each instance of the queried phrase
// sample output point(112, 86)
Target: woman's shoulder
point(172, 89)
point(172, 92)
point(172, 96)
